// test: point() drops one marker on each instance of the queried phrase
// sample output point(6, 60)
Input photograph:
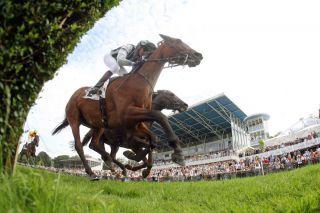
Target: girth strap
point(102, 102)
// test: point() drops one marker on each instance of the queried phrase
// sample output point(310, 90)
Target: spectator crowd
point(250, 165)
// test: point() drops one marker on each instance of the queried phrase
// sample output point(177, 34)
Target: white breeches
point(112, 64)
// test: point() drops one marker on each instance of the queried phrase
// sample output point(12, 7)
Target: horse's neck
point(157, 106)
point(32, 145)
point(152, 70)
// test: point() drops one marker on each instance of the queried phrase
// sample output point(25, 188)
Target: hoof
point(178, 158)
point(145, 173)
point(124, 173)
point(94, 178)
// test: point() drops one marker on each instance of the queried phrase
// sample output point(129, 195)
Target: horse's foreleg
point(114, 150)
point(136, 168)
point(135, 115)
point(137, 154)
point(97, 144)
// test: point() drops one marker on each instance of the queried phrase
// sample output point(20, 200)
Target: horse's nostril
point(198, 55)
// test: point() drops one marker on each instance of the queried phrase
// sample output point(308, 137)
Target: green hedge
point(35, 39)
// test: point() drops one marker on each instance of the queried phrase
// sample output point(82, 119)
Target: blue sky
point(264, 55)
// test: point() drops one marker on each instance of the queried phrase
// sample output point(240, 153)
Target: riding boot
point(100, 83)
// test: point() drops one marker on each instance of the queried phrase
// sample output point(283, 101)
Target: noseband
point(172, 61)
point(171, 105)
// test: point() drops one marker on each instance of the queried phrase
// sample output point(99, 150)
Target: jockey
point(127, 55)
point(32, 133)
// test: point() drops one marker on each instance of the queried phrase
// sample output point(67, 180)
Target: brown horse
point(128, 102)
point(29, 150)
point(129, 98)
point(162, 99)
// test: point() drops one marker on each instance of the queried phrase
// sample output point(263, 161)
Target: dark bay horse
point(128, 102)
point(29, 150)
point(162, 99)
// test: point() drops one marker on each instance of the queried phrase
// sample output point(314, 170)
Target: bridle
point(172, 61)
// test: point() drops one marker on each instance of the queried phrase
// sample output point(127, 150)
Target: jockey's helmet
point(32, 132)
point(147, 45)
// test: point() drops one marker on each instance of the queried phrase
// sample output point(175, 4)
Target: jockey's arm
point(122, 56)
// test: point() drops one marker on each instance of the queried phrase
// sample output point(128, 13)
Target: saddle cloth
point(101, 93)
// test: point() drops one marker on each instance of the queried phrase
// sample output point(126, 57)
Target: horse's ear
point(164, 37)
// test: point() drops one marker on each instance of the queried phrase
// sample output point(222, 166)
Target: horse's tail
point(63, 124)
point(87, 138)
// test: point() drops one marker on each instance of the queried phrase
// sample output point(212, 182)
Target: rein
point(172, 63)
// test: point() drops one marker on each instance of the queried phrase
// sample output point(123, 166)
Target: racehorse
point(128, 102)
point(162, 99)
point(29, 150)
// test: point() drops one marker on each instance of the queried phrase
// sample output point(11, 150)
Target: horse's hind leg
point(149, 163)
point(79, 149)
point(97, 145)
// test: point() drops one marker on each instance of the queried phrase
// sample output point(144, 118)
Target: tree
point(261, 143)
point(44, 158)
point(35, 39)
point(75, 157)
point(57, 160)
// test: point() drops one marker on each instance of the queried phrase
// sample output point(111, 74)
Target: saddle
point(101, 97)
point(101, 93)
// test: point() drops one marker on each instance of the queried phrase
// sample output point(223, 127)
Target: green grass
point(39, 191)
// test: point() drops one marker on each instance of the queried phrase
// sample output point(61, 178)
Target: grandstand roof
point(206, 119)
point(301, 124)
point(265, 116)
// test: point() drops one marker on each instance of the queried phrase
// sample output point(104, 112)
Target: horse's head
point(165, 99)
point(179, 53)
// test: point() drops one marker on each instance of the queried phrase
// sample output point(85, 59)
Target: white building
point(257, 125)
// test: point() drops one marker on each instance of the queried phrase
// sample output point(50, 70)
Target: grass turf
point(33, 190)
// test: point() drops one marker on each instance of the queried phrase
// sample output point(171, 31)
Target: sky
point(264, 55)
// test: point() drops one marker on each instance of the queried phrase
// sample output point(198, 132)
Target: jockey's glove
point(139, 62)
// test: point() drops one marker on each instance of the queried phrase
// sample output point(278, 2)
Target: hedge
point(35, 39)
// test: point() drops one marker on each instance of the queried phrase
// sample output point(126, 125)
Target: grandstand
point(217, 130)
point(300, 129)
point(213, 125)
